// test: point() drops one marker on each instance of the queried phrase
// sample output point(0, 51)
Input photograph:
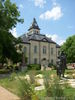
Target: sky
point(56, 18)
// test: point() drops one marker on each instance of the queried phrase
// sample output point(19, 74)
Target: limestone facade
point(37, 46)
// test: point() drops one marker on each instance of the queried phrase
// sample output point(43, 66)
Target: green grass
point(13, 84)
point(70, 93)
point(41, 94)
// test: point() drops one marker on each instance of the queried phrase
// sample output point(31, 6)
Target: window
point(51, 61)
point(35, 49)
point(34, 31)
point(51, 51)
point(37, 31)
point(58, 52)
point(44, 49)
point(24, 49)
point(35, 60)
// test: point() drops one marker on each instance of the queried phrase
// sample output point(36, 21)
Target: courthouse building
point(38, 47)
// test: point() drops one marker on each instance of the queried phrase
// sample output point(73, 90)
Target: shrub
point(1, 66)
point(66, 85)
point(27, 90)
point(4, 71)
point(10, 67)
point(53, 88)
point(52, 65)
point(34, 66)
point(57, 89)
point(70, 72)
point(13, 68)
point(32, 77)
point(17, 68)
point(12, 77)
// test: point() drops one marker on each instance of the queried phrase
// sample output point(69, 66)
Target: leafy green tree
point(9, 16)
point(69, 48)
point(17, 57)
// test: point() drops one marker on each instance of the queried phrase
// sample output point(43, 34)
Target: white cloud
point(61, 42)
point(21, 6)
point(39, 3)
point(55, 13)
point(14, 32)
point(56, 38)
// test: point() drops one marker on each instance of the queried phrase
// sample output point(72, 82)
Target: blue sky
point(56, 18)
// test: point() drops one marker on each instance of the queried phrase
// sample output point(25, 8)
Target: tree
point(9, 16)
point(17, 57)
point(69, 48)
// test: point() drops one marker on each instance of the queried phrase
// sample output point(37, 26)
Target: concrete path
point(6, 95)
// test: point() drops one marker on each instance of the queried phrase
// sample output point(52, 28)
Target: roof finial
point(34, 25)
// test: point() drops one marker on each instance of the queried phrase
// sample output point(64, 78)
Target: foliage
point(9, 16)
point(69, 48)
point(52, 65)
point(17, 57)
point(4, 71)
point(10, 67)
point(27, 90)
point(32, 76)
point(34, 66)
point(66, 84)
point(16, 86)
point(12, 77)
point(53, 88)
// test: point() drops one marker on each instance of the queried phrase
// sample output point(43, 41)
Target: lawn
point(13, 84)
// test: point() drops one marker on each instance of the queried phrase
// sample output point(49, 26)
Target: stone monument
point(44, 64)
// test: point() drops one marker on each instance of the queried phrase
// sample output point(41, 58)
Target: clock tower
point(34, 28)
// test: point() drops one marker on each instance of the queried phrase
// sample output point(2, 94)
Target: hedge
point(34, 66)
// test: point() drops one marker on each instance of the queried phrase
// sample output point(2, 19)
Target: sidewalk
point(6, 95)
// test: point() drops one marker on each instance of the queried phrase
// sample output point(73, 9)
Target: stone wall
point(39, 55)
